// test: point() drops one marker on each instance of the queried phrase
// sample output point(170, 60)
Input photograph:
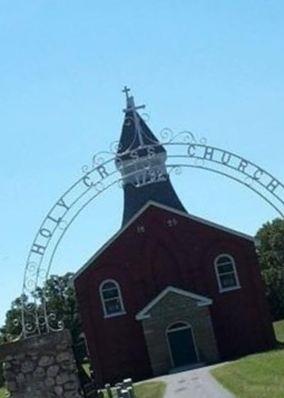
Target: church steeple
point(141, 159)
point(135, 132)
point(131, 108)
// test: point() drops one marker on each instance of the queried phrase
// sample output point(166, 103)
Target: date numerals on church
point(150, 176)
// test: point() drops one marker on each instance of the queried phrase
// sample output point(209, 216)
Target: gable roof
point(175, 211)
point(201, 301)
point(203, 221)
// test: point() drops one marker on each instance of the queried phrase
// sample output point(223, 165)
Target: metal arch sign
point(183, 149)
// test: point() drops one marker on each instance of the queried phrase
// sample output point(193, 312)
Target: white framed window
point(226, 272)
point(111, 298)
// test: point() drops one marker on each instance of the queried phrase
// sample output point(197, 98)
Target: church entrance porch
point(182, 347)
point(178, 331)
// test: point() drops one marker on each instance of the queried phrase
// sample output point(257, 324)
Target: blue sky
point(213, 67)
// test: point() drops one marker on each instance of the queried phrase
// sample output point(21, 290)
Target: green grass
point(86, 367)
point(152, 389)
point(256, 376)
point(3, 393)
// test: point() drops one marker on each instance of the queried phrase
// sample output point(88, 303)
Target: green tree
point(270, 239)
point(59, 296)
point(61, 301)
point(1, 365)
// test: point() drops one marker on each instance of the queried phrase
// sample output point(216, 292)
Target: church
point(169, 290)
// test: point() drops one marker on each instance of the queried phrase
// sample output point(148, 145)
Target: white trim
point(188, 326)
point(138, 214)
point(106, 316)
point(169, 328)
point(234, 271)
point(230, 289)
point(203, 221)
point(119, 296)
point(201, 301)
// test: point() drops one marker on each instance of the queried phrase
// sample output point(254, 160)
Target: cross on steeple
point(130, 104)
point(126, 91)
point(131, 107)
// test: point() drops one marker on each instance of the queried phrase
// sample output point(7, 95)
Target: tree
point(59, 296)
point(60, 300)
point(270, 239)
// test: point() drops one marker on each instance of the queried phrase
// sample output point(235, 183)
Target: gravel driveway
point(196, 383)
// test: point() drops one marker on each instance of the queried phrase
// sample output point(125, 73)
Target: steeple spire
point(135, 132)
point(141, 159)
point(131, 107)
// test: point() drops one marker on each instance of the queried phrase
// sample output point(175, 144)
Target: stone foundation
point(41, 367)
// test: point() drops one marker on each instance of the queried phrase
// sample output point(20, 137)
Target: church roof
point(201, 301)
point(158, 205)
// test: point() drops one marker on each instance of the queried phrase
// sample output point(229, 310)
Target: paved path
point(196, 383)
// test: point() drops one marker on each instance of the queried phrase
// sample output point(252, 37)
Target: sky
point(212, 67)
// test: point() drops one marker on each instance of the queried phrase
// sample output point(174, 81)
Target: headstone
point(124, 394)
point(41, 367)
point(131, 392)
point(108, 390)
point(127, 383)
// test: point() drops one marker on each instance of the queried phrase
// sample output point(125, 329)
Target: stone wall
point(177, 308)
point(41, 367)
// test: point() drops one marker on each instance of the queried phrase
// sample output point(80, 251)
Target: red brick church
point(169, 289)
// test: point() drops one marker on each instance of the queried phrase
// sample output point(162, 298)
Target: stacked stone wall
point(41, 367)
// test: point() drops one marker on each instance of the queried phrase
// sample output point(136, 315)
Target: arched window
point(111, 298)
point(226, 273)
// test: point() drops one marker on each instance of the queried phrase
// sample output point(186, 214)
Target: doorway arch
point(182, 346)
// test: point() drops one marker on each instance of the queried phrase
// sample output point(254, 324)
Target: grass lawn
point(152, 389)
point(256, 376)
point(2, 393)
